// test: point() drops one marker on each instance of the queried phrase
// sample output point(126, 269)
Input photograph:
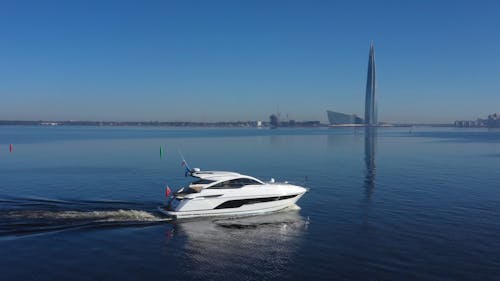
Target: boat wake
point(23, 216)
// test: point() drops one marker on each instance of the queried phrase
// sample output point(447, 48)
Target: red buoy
point(10, 147)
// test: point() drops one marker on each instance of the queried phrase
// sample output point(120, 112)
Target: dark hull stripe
point(239, 203)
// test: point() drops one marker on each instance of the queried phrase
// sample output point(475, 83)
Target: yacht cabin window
point(236, 183)
point(203, 181)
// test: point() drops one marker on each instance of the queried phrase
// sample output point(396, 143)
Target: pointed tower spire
point(370, 102)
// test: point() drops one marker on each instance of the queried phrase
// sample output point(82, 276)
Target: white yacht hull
point(244, 210)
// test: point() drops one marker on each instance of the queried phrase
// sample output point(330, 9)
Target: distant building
point(370, 102)
point(493, 120)
point(467, 123)
point(371, 118)
point(338, 118)
point(274, 120)
point(308, 123)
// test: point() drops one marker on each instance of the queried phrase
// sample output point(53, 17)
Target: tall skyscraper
point(370, 102)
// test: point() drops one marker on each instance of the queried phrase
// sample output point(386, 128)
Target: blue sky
point(437, 61)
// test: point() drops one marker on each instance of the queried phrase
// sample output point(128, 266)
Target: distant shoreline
point(237, 124)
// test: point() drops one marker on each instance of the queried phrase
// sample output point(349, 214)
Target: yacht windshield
point(236, 183)
point(202, 181)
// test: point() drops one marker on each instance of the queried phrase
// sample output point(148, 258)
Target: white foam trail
point(101, 216)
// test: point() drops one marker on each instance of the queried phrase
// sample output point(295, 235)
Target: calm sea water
point(78, 203)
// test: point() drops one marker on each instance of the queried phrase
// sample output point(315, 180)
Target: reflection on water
point(370, 145)
point(370, 172)
point(266, 243)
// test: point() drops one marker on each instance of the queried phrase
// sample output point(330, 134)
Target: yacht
point(219, 193)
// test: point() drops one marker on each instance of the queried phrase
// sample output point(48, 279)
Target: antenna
point(184, 162)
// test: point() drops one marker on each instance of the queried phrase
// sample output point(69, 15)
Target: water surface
point(79, 203)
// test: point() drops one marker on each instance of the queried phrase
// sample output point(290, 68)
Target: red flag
point(167, 192)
